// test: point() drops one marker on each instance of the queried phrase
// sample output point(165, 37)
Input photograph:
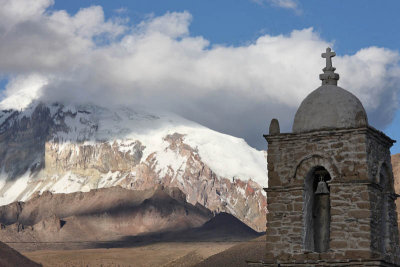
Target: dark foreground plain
point(176, 254)
point(159, 254)
point(176, 248)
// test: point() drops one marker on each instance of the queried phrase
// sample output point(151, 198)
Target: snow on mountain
point(64, 149)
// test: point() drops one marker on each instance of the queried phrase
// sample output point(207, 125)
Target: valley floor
point(166, 254)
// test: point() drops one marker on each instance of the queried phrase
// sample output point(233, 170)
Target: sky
point(231, 66)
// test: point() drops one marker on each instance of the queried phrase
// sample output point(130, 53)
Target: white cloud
point(121, 10)
point(157, 63)
point(21, 90)
point(18, 11)
point(289, 4)
point(171, 24)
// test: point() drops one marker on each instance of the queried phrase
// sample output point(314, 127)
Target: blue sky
point(351, 25)
point(241, 27)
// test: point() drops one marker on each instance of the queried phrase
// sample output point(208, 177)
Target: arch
point(383, 176)
point(386, 204)
point(310, 161)
point(316, 210)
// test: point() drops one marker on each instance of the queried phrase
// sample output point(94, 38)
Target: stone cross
point(328, 55)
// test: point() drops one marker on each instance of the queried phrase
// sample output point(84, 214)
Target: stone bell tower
point(330, 190)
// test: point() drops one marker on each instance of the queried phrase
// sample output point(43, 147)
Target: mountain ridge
point(65, 149)
point(135, 218)
point(105, 214)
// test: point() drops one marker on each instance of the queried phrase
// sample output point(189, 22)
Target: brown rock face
point(195, 179)
point(23, 140)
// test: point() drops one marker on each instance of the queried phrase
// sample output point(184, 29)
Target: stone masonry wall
point(345, 154)
point(341, 152)
point(381, 174)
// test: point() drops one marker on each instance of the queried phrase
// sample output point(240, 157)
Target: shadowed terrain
point(11, 257)
point(174, 248)
point(98, 217)
point(180, 248)
point(224, 227)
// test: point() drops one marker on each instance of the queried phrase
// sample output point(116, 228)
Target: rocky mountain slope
point(107, 214)
point(65, 149)
point(10, 257)
point(223, 227)
point(114, 217)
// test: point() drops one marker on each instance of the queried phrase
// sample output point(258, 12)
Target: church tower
point(330, 195)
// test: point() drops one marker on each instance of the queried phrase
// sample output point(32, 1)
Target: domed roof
point(329, 107)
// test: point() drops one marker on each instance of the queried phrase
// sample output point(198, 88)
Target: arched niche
point(307, 163)
point(385, 184)
point(316, 210)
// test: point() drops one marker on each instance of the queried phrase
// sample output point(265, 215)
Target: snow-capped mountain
point(65, 149)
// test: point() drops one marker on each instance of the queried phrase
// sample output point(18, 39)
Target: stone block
point(361, 235)
point(336, 145)
point(365, 228)
point(274, 224)
point(274, 238)
point(299, 257)
point(364, 195)
point(297, 193)
point(357, 254)
point(363, 244)
point(326, 256)
point(338, 244)
point(297, 206)
point(336, 211)
point(270, 166)
point(338, 235)
point(269, 246)
point(312, 256)
point(338, 158)
point(363, 205)
point(277, 207)
point(284, 256)
point(273, 179)
point(361, 156)
point(270, 256)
